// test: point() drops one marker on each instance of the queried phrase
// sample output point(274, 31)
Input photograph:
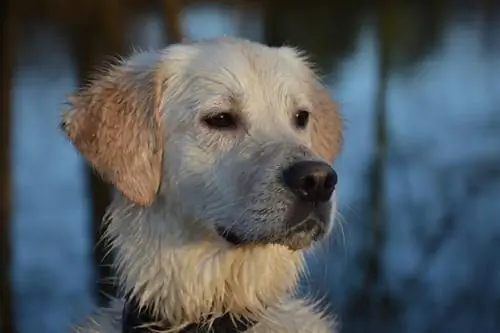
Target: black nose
point(311, 181)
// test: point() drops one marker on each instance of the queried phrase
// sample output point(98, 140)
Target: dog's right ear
point(116, 124)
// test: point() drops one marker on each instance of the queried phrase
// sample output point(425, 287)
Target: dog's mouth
point(231, 236)
point(306, 225)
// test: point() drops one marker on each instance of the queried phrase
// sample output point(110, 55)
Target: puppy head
point(237, 136)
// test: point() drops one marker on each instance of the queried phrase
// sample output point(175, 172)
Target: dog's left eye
point(301, 119)
point(223, 120)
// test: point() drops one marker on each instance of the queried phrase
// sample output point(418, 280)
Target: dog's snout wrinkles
point(311, 181)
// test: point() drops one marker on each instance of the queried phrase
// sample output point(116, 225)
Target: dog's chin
point(302, 236)
point(305, 224)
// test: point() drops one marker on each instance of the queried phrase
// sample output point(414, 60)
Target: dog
point(220, 152)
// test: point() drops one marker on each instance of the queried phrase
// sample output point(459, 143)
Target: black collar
point(134, 321)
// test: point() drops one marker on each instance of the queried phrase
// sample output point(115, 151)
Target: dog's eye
point(301, 119)
point(223, 120)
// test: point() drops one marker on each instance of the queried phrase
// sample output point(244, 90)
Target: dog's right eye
point(220, 121)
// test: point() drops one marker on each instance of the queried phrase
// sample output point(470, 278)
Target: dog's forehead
point(250, 70)
point(239, 56)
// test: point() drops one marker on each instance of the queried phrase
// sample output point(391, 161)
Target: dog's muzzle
point(312, 184)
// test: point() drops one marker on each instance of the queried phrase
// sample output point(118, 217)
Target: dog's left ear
point(116, 124)
point(327, 124)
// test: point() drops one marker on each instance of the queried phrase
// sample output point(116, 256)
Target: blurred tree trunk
point(273, 23)
point(100, 35)
point(7, 319)
point(172, 20)
point(381, 304)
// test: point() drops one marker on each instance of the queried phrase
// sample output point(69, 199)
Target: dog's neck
point(183, 274)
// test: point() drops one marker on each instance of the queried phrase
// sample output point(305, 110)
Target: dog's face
point(237, 136)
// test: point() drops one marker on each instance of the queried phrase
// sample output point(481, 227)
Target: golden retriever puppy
point(220, 151)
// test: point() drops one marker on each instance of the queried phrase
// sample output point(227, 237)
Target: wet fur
point(138, 125)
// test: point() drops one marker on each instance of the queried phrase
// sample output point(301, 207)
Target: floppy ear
point(116, 124)
point(327, 124)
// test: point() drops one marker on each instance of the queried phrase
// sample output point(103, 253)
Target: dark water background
point(419, 85)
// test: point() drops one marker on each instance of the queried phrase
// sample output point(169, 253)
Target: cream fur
point(142, 116)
